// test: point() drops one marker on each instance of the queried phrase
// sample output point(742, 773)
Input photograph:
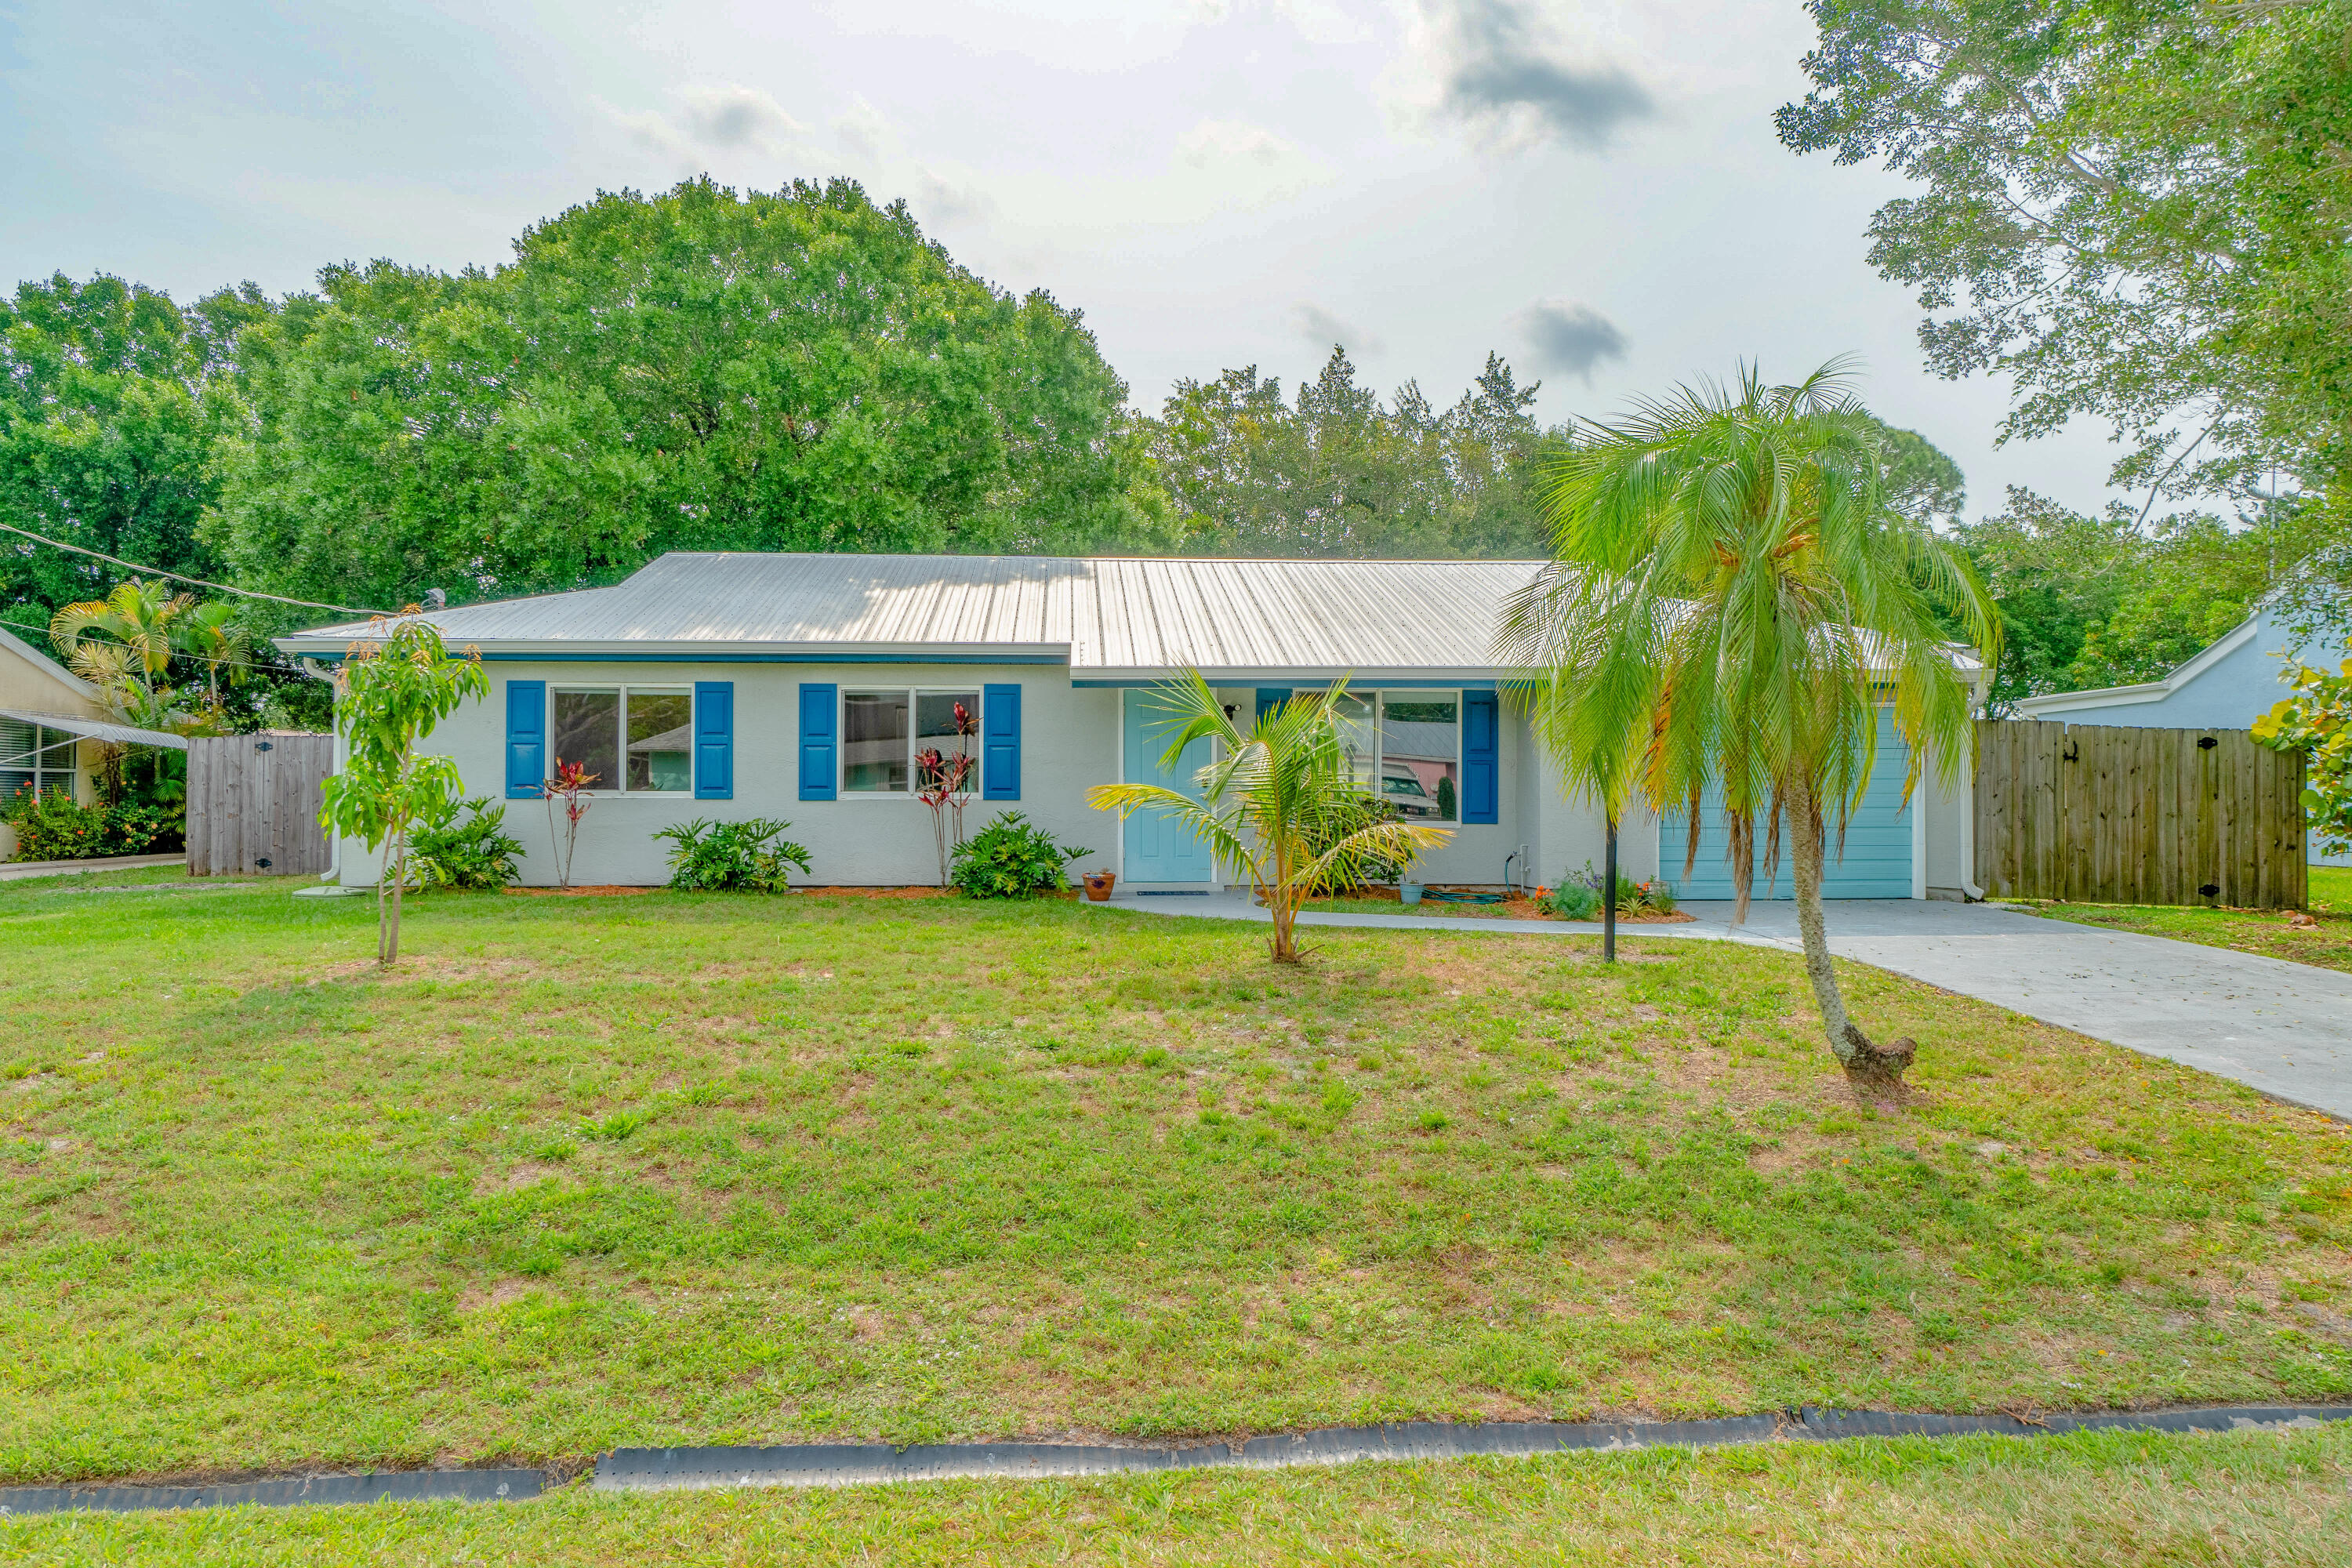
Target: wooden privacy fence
point(2106, 813)
point(253, 805)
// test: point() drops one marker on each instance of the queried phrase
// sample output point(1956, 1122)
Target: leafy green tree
point(1731, 598)
point(2317, 721)
point(107, 422)
point(1271, 793)
point(2091, 601)
point(2133, 208)
point(1338, 473)
point(799, 370)
point(391, 691)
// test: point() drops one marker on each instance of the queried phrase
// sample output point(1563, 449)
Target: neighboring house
point(2227, 687)
point(803, 687)
point(52, 723)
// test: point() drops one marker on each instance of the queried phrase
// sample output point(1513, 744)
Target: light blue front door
point(1156, 848)
point(1877, 859)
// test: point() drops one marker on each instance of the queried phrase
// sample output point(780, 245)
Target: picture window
point(631, 739)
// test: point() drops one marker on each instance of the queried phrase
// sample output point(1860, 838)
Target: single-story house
point(52, 724)
point(804, 686)
point(2227, 687)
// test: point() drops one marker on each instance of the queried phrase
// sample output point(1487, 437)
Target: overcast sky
point(1594, 190)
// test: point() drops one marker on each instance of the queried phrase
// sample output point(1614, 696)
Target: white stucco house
point(2226, 687)
point(803, 687)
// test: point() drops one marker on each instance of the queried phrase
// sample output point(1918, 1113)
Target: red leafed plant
point(569, 785)
point(943, 782)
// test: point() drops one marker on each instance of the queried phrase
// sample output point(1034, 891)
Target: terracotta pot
point(1098, 885)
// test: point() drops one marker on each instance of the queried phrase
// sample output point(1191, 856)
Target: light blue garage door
point(1878, 860)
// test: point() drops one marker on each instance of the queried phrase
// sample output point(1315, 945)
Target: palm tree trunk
point(1870, 1068)
point(1609, 898)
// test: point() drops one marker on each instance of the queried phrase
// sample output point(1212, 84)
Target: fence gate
point(253, 805)
point(2108, 814)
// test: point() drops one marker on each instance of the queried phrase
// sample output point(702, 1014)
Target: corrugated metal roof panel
point(97, 729)
point(1111, 615)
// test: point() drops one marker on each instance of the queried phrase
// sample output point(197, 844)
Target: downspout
point(1969, 888)
point(332, 876)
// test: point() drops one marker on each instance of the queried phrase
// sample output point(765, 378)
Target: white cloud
point(1232, 162)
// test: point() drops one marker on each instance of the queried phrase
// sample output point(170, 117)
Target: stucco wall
point(2230, 694)
point(1069, 744)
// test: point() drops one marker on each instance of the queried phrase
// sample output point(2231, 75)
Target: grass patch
point(696, 1169)
point(2108, 1499)
point(2327, 945)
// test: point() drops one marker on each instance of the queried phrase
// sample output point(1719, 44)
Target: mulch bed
point(1510, 909)
point(599, 890)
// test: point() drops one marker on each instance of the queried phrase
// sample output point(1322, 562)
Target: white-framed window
point(33, 757)
point(631, 740)
point(1419, 764)
point(887, 731)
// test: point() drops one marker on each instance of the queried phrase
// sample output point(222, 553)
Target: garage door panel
point(1876, 863)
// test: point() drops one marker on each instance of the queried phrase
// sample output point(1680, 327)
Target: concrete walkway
point(2283, 1028)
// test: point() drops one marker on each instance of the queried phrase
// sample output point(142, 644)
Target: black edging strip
point(849, 1464)
point(854, 1463)
point(385, 1486)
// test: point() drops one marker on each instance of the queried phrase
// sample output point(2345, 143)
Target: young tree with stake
point(390, 693)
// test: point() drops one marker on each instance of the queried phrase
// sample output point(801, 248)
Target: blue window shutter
point(1000, 743)
point(1270, 698)
point(714, 740)
point(1482, 756)
point(526, 739)
point(820, 736)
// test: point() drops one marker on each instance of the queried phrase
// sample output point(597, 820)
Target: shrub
point(474, 853)
point(1580, 891)
point(53, 826)
point(1573, 900)
point(1011, 857)
point(747, 857)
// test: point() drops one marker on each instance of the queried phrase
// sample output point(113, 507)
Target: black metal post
point(1609, 898)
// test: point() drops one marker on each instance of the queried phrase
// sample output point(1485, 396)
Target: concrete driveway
point(2283, 1028)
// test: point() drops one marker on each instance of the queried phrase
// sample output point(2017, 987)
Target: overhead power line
point(183, 577)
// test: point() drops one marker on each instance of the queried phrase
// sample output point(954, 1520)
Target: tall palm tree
point(1732, 599)
point(1276, 792)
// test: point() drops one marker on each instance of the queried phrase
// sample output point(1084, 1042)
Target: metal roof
point(97, 728)
point(1111, 618)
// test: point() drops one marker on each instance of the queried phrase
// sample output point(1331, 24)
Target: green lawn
point(2266, 932)
point(707, 1169)
point(2248, 1500)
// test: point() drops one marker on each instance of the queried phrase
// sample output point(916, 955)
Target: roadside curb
point(866, 1464)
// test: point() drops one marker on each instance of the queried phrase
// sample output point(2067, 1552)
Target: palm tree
point(124, 642)
point(1732, 600)
point(1275, 793)
point(213, 637)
